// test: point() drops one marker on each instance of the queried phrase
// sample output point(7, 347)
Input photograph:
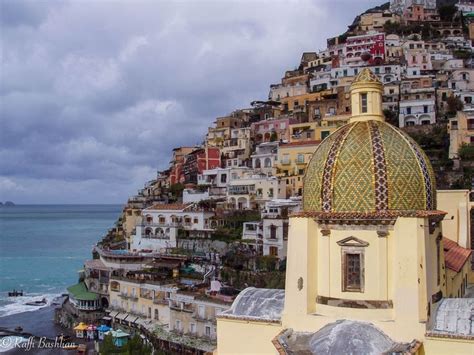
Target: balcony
point(160, 301)
point(285, 162)
point(183, 309)
point(163, 224)
point(300, 161)
point(158, 236)
point(203, 318)
point(128, 297)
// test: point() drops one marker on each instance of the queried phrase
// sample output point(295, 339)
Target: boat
point(15, 293)
point(18, 329)
point(37, 303)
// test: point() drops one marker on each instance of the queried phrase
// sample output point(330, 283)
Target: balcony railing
point(151, 236)
point(159, 224)
point(128, 297)
point(179, 309)
point(160, 301)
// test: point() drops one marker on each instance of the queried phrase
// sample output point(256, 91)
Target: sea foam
point(17, 304)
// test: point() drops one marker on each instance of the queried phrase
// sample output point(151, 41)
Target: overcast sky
point(95, 94)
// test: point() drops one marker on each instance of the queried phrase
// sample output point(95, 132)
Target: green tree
point(454, 105)
point(391, 116)
point(136, 346)
point(176, 190)
point(447, 12)
point(466, 152)
point(273, 137)
point(108, 347)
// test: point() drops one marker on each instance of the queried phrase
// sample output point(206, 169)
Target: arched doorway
point(104, 302)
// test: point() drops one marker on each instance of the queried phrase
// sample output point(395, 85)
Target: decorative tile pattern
point(366, 76)
point(380, 168)
point(428, 174)
point(313, 180)
point(353, 187)
point(328, 172)
point(405, 180)
point(369, 167)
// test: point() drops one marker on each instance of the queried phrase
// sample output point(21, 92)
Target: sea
point(43, 247)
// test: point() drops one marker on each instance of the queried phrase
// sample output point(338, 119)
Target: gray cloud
point(94, 95)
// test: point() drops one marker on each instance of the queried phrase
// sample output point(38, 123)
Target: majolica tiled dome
point(369, 166)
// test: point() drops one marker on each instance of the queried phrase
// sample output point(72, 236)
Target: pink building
point(275, 129)
point(369, 48)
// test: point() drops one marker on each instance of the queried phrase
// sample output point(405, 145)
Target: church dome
point(369, 166)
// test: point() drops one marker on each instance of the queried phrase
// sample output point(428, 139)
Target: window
point(273, 232)
point(223, 178)
point(352, 268)
point(195, 221)
point(201, 311)
point(363, 103)
point(192, 328)
point(270, 192)
point(208, 331)
point(273, 251)
point(300, 158)
point(425, 109)
point(324, 134)
point(178, 325)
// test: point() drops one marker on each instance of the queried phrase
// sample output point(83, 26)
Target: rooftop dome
point(368, 165)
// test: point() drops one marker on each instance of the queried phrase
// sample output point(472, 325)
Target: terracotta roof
point(171, 206)
point(455, 256)
point(293, 144)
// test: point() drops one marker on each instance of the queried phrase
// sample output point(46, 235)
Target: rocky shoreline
point(39, 328)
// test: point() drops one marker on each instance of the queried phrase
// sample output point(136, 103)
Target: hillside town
point(211, 230)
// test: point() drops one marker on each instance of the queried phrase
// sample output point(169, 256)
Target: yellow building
point(366, 268)
point(298, 103)
point(461, 132)
point(292, 160)
point(316, 130)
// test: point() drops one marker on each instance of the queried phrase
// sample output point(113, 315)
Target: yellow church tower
point(365, 265)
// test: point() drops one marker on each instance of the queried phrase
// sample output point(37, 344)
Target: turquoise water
point(42, 247)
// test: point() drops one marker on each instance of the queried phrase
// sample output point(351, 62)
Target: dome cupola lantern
point(366, 97)
point(368, 165)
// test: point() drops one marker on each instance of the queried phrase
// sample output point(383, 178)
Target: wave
point(17, 304)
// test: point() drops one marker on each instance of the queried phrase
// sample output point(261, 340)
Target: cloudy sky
point(95, 94)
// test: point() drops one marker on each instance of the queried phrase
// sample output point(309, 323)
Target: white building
point(253, 190)
point(279, 91)
point(161, 225)
point(270, 235)
point(399, 6)
point(265, 158)
point(417, 112)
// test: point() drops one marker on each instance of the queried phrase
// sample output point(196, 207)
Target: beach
point(39, 323)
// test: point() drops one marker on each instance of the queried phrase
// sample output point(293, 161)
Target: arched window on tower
point(363, 102)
